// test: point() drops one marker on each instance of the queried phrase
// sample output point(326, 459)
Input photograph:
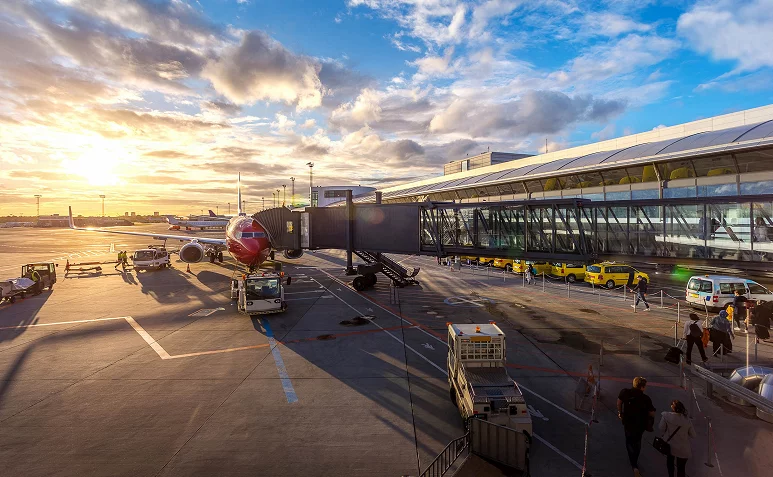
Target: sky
point(158, 104)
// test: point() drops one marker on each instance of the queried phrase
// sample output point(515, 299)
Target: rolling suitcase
point(674, 353)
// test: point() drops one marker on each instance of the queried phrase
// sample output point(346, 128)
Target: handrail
point(447, 456)
point(733, 388)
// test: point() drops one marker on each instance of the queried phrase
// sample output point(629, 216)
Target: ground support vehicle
point(46, 270)
point(611, 274)
point(716, 292)
point(151, 258)
point(569, 271)
point(15, 287)
point(259, 293)
point(478, 380)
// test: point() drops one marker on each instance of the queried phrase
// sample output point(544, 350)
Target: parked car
point(716, 291)
point(612, 274)
point(571, 271)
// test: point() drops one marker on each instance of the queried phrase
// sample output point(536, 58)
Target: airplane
point(176, 224)
point(245, 239)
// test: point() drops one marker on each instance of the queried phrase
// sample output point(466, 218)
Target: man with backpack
point(635, 410)
point(641, 292)
point(693, 335)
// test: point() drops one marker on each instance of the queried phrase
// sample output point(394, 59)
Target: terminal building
point(701, 190)
point(324, 196)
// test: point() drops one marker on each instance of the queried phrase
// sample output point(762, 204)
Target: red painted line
point(406, 318)
point(341, 335)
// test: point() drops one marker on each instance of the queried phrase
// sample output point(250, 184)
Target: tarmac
point(155, 373)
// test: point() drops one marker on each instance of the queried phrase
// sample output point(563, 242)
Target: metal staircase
point(399, 275)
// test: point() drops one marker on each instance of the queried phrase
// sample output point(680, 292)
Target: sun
point(99, 168)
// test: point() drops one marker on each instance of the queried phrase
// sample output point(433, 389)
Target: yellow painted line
point(148, 339)
point(63, 323)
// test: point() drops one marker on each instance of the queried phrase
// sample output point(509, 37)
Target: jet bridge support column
point(349, 233)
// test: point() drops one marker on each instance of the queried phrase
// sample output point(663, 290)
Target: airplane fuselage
point(247, 241)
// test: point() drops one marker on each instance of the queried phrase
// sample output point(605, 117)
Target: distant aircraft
point(245, 239)
point(176, 224)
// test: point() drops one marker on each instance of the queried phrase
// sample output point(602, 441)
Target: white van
point(151, 258)
point(717, 291)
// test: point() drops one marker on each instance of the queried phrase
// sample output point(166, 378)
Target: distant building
point(133, 214)
point(481, 160)
point(55, 220)
point(155, 214)
point(126, 214)
point(322, 196)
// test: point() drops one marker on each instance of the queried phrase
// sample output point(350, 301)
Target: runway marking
point(206, 311)
point(148, 339)
point(572, 415)
point(555, 449)
point(303, 292)
point(287, 385)
point(61, 323)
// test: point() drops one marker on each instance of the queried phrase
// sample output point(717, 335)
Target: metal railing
point(712, 379)
point(447, 456)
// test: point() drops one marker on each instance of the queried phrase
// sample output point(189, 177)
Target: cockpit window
point(259, 288)
point(252, 235)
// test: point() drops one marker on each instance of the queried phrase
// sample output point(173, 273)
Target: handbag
point(663, 446)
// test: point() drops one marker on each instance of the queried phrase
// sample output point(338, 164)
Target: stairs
point(399, 275)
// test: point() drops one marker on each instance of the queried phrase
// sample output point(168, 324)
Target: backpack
point(695, 330)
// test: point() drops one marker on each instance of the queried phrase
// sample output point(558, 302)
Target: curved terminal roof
point(713, 141)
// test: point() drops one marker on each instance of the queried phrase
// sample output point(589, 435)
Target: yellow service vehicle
point(571, 271)
point(611, 274)
point(478, 380)
point(486, 261)
point(506, 263)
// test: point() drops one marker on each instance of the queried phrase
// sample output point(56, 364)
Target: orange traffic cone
point(188, 270)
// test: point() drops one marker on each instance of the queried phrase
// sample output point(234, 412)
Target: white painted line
point(554, 449)
point(61, 323)
point(553, 404)
point(303, 292)
point(148, 339)
point(311, 298)
point(389, 311)
point(390, 334)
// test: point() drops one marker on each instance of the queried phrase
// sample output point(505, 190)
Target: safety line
point(148, 339)
point(287, 385)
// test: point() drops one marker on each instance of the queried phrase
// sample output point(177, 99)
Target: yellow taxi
point(571, 271)
point(468, 259)
point(522, 266)
point(485, 261)
point(611, 274)
point(506, 263)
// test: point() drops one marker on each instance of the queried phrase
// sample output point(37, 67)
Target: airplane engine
point(192, 252)
point(292, 254)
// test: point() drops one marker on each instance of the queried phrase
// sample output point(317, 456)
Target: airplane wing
point(182, 238)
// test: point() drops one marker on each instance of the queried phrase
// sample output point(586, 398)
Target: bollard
point(747, 348)
point(624, 298)
point(677, 313)
point(639, 343)
point(601, 356)
point(755, 350)
point(543, 282)
point(661, 298)
point(568, 294)
point(676, 334)
point(708, 442)
point(523, 275)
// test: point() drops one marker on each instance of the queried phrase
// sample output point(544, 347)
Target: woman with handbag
point(675, 444)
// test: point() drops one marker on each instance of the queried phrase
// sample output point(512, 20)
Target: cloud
point(727, 30)
point(361, 111)
point(536, 112)
point(432, 65)
point(261, 69)
point(166, 154)
point(610, 24)
point(221, 107)
point(366, 143)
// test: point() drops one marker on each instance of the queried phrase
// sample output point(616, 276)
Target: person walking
point(677, 431)
point(641, 292)
point(693, 335)
point(119, 260)
point(760, 319)
point(739, 311)
point(634, 409)
point(530, 273)
point(720, 332)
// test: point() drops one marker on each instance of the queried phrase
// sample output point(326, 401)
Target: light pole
point(217, 210)
point(273, 200)
point(229, 208)
point(103, 204)
point(264, 202)
point(284, 195)
point(37, 197)
point(311, 184)
point(292, 193)
point(277, 198)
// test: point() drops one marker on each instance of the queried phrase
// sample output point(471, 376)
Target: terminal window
point(332, 194)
